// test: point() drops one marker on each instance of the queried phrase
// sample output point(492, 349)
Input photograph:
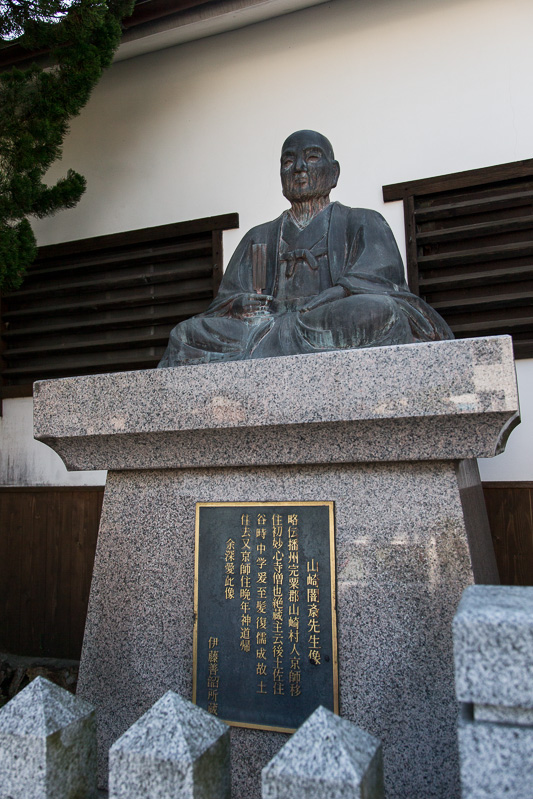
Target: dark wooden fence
point(510, 511)
point(48, 539)
point(47, 545)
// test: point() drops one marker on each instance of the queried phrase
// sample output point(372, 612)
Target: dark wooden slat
point(412, 249)
point(11, 553)
point(69, 268)
point(523, 338)
point(453, 208)
point(120, 299)
point(31, 489)
point(9, 392)
point(128, 238)
point(476, 255)
point(117, 340)
point(156, 9)
point(36, 608)
point(477, 278)
point(506, 325)
point(87, 517)
point(102, 268)
point(523, 351)
point(117, 249)
point(499, 299)
point(138, 279)
point(158, 314)
point(106, 361)
point(25, 535)
point(475, 231)
point(507, 484)
point(509, 508)
point(89, 355)
point(459, 180)
point(58, 529)
point(481, 192)
point(218, 260)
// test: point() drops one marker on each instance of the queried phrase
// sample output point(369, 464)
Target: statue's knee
point(367, 320)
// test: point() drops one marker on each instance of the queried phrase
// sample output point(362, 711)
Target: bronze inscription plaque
point(265, 636)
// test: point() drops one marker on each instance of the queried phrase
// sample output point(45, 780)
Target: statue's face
point(308, 168)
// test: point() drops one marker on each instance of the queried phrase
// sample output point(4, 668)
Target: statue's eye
point(313, 158)
point(287, 162)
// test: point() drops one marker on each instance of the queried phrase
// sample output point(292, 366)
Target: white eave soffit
point(198, 23)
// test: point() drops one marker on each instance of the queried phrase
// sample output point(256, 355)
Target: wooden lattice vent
point(470, 249)
point(107, 304)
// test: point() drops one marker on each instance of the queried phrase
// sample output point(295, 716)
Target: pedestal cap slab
point(493, 646)
point(437, 400)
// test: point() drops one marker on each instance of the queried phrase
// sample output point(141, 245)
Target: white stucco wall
point(405, 89)
point(24, 461)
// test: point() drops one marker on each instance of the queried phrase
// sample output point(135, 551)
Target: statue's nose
point(301, 164)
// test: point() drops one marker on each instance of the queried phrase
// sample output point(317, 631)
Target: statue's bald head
point(308, 138)
point(308, 166)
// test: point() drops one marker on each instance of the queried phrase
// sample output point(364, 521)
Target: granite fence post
point(493, 648)
point(47, 745)
point(175, 749)
point(326, 757)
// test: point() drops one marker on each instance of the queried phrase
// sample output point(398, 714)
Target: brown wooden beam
point(458, 180)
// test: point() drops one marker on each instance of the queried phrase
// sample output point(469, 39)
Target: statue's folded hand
point(329, 295)
point(250, 304)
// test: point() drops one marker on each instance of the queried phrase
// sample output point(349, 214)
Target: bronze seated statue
point(320, 277)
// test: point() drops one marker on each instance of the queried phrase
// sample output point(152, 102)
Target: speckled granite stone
point(438, 400)
point(504, 715)
point(410, 536)
point(47, 745)
point(493, 645)
point(496, 759)
point(402, 564)
point(327, 756)
point(175, 749)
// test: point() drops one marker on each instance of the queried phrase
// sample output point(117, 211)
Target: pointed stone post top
point(329, 756)
point(41, 709)
point(175, 749)
point(47, 744)
point(173, 729)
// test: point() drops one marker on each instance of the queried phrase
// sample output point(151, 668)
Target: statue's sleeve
point(374, 265)
point(237, 279)
point(373, 262)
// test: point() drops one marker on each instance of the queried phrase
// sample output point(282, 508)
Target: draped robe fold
point(362, 257)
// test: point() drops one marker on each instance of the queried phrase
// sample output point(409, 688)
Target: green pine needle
point(36, 107)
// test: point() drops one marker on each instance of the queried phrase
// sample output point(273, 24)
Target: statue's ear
point(336, 173)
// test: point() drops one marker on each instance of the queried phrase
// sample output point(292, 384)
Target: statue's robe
point(349, 247)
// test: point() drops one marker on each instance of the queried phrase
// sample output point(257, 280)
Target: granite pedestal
point(388, 434)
